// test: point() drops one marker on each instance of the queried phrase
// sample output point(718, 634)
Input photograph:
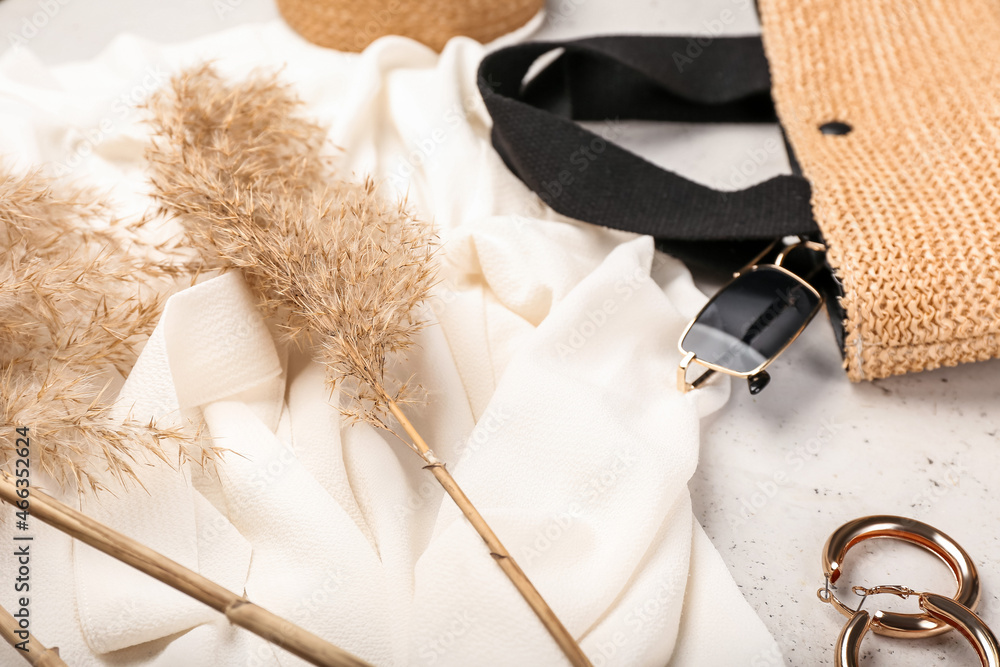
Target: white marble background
point(781, 470)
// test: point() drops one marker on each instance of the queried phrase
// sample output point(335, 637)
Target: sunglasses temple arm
point(683, 385)
point(704, 377)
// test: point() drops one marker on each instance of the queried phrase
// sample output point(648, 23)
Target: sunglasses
point(749, 322)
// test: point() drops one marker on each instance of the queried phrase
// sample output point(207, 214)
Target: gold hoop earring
point(946, 610)
point(940, 613)
point(893, 624)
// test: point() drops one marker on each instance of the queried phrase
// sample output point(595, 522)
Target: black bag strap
point(583, 176)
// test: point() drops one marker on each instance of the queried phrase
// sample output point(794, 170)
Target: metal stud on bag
point(939, 613)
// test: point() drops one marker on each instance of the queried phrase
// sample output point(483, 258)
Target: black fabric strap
point(583, 176)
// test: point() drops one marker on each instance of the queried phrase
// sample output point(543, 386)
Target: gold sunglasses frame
point(682, 384)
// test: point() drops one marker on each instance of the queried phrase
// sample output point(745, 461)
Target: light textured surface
point(924, 445)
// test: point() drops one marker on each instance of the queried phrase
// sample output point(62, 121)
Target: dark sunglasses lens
point(751, 320)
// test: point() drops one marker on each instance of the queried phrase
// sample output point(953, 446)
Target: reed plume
point(342, 269)
point(80, 290)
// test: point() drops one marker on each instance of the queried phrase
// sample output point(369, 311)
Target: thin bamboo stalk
point(237, 609)
point(498, 551)
point(36, 654)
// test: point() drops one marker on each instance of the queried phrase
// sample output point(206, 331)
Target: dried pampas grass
point(342, 270)
point(79, 293)
point(78, 297)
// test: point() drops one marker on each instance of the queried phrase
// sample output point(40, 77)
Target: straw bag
point(893, 144)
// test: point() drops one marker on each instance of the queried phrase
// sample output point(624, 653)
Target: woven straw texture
point(908, 201)
point(349, 25)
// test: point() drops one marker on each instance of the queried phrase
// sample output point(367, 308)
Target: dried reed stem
point(237, 609)
point(498, 551)
point(36, 654)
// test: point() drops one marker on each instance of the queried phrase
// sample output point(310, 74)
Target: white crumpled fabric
point(550, 363)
